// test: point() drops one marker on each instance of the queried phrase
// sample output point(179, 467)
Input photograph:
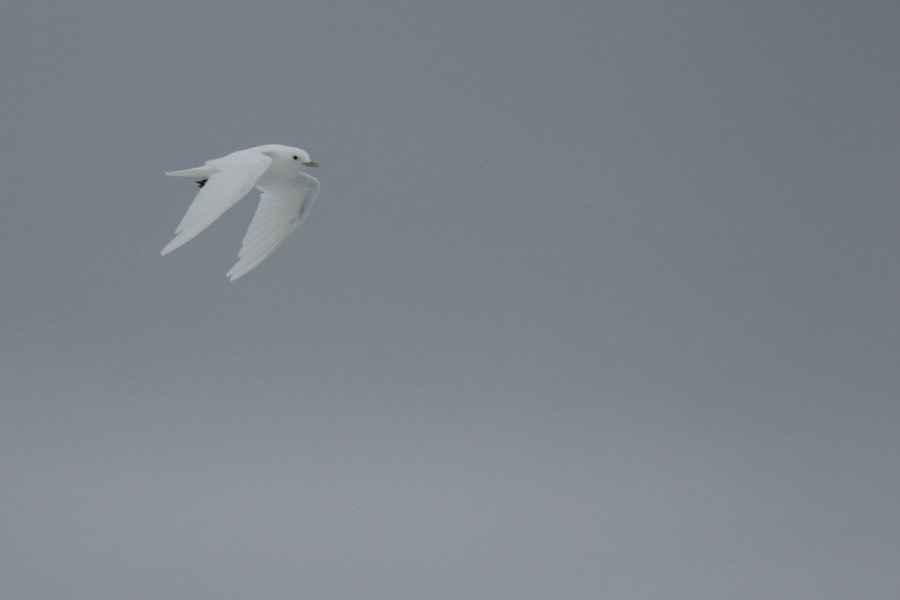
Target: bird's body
point(287, 194)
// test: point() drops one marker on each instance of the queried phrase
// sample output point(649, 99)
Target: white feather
point(281, 209)
point(287, 194)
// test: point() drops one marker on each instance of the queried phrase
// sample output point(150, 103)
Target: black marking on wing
point(202, 182)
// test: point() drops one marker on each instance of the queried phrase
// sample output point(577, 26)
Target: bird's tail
point(202, 172)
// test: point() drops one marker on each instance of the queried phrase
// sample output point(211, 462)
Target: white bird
point(287, 194)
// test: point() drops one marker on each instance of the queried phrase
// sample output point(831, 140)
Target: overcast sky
point(598, 300)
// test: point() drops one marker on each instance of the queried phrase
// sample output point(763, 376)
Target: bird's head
point(301, 156)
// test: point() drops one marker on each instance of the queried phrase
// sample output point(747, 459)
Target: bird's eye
point(296, 157)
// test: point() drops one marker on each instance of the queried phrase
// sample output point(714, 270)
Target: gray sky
point(598, 300)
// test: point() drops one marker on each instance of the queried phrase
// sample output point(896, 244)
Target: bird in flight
point(287, 192)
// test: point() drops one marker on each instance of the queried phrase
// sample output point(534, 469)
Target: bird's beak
point(311, 164)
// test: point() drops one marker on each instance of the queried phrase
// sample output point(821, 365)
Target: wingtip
point(236, 273)
point(232, 277)
point(175, 243)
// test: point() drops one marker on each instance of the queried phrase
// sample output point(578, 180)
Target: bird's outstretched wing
point(281, 209)
point(234, 176)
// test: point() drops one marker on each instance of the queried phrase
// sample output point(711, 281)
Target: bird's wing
point(234, 176)
point(281, 209)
